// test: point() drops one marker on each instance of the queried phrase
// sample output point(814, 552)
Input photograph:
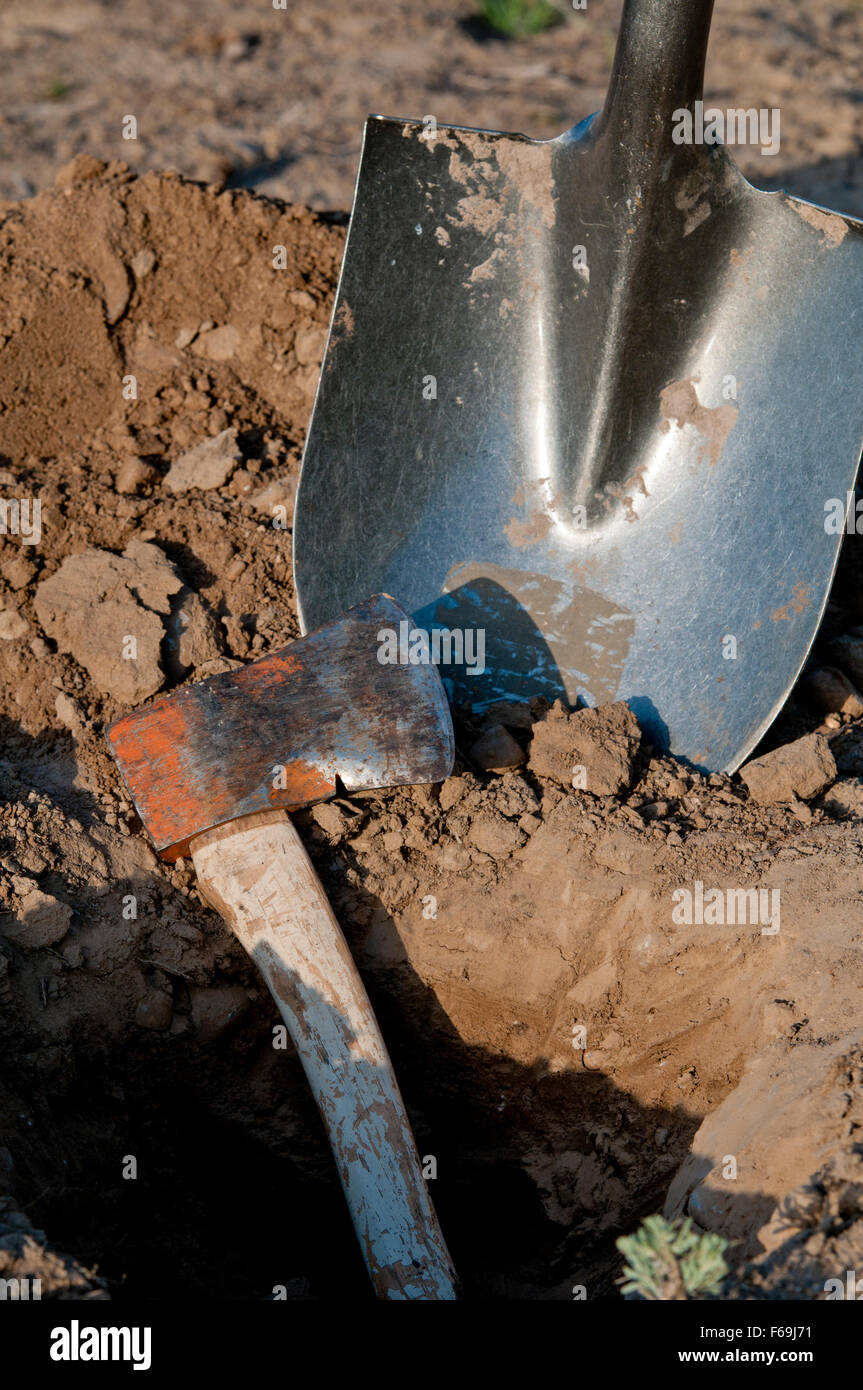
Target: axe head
point(278, 733)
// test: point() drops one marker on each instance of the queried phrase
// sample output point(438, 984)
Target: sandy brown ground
point(493, 917)
point(276, 99)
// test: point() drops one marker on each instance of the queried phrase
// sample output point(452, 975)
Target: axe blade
point(279, 732)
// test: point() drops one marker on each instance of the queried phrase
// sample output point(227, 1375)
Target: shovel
point(594, 403)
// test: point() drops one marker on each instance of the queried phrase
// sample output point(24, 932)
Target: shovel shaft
point(658, 69)
point(256, 873)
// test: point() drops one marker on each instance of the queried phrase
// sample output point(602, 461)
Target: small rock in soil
point(496, 750)
point(451, 792)
point(800, 769)
point(208, 465)
point(194, 635)
point(67, 710)
point(330, 819)
point(40, 921)
point(97, 601)
point(17, 572)
point(185, 337)
point(219, 344)
point(133, 475)
point(279, 493)
point(142, 263)
point(602, 741)
point(155, 1011)
point(12, 625)
point(309, 345)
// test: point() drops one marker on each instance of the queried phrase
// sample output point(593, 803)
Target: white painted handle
point(257, 874)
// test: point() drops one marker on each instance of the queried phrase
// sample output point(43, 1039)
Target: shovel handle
point(658, 69)
point(257, 875)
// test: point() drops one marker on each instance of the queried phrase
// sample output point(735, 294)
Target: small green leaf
point(518, 19)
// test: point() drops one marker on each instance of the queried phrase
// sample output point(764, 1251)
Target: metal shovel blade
point(590, 406)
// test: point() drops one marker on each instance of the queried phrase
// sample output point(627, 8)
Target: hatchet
point(213, 770)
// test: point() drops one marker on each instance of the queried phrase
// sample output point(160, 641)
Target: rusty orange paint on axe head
point(285, 731)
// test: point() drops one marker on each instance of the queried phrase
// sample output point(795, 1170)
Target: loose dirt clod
point(208, 465)
point(495, 835)
point(800, 769)
point(106, 610)
point(12, 625)
point(590, 748)
point(40, 920)
point(195, 638)
point(134, 474)
point(17, 572)
point(155, 1011)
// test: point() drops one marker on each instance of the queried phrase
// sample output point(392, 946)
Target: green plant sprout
point(670, 1260)
point(56, 90)
point(518, 19)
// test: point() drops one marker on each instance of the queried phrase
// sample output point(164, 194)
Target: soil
point(573, 1051)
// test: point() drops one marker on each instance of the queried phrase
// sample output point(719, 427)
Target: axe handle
point(257, 875)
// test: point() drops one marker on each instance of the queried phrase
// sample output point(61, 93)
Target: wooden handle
point(256, 873)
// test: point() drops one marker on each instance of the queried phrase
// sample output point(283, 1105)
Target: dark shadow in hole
point(237, 1193)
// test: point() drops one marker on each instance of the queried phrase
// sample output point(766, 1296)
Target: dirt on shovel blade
point(599, 973)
